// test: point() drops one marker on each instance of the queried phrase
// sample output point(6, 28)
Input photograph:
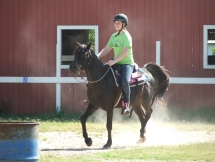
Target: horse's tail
point(161, 78)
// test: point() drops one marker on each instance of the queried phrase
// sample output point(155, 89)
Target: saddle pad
point(139, 78)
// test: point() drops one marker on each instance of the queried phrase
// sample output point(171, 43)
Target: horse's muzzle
point(74, 67)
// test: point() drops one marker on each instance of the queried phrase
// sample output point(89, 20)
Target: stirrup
point(86, 102)
point(126, 111)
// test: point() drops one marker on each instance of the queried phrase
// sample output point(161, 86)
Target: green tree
point(91, 38)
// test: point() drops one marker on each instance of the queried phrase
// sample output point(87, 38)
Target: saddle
point(138, 76)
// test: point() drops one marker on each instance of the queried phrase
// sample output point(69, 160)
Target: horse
point(103, 93)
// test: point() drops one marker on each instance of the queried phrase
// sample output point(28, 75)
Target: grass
point(193, 152)
point(205, 115)
point(63, 116)
point(190, 120)
point(205, 151)
point(49, 124)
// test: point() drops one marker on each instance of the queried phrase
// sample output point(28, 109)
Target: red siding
point(28, 45)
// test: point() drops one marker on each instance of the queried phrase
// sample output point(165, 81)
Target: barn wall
point(28, 45)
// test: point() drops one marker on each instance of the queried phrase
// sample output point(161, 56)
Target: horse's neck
point(95, 70)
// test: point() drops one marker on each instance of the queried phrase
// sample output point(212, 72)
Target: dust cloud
point(159, 130)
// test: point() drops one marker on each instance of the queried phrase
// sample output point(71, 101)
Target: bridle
point(87, 61)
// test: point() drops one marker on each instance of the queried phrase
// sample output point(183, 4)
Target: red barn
point(36, 42)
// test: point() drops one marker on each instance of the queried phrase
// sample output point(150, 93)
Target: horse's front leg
point(90, 109)
point(109, 129)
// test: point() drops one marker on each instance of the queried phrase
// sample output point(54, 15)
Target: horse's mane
point(96, 57)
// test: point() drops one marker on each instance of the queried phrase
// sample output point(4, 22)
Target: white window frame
point(74, 27)
point(205, 46)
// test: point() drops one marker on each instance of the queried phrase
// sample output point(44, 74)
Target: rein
point(95, 80)
point(100, 78)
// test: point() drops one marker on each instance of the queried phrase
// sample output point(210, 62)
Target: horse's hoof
point(88, 141)
point(141, 140)
point(107, 146)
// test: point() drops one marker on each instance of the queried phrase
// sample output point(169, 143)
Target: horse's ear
point(78, 44)
point(89, 45)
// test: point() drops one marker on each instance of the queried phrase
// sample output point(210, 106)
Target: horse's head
point(82, 58)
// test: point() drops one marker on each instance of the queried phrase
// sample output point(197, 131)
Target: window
point(67, 37)
point(209, 47)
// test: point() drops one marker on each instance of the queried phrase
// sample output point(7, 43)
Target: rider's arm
point(120, 57)
point(104, 51)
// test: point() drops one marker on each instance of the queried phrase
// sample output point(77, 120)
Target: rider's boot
point(86, 102)
point(126, 111)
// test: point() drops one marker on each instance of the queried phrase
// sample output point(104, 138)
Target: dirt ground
point(70, 143)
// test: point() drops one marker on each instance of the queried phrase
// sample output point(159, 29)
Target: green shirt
point(119, 43)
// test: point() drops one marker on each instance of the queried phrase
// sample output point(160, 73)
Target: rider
point(121, 43)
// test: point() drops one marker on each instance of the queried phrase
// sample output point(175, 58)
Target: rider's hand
point(111, 62)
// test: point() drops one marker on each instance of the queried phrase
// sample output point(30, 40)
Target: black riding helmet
point(121, 17)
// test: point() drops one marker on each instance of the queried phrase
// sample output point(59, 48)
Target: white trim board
point(181, 80)
point(173, 80)
point(42, 80)
point(158, 53)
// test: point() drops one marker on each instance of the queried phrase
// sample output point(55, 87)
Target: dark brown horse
point(103, 92)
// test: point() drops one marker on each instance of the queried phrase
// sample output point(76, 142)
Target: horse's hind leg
point(90, 109)
point(144, 116)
